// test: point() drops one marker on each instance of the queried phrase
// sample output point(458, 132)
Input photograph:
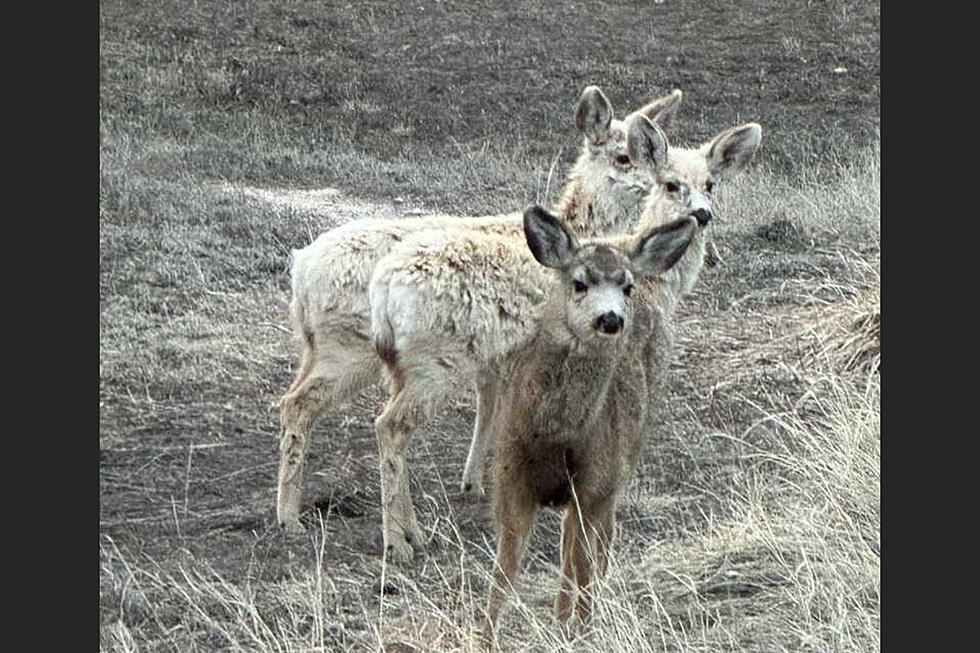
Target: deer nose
point(609, 323)
point(703, 216)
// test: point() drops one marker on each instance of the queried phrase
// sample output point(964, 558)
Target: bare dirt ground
point(233, 132)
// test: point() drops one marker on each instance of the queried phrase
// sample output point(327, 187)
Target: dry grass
point(793, 566)
point(853, 338)
point(754, 520)
point(754, 523)
point(776, 538)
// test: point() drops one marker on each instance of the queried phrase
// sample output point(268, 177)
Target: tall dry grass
point(795, 566)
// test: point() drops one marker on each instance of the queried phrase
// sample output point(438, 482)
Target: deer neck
point(595, 204)
point(680, 279)
point(573, 381)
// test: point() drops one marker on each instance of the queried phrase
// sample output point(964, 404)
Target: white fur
point(331, 306)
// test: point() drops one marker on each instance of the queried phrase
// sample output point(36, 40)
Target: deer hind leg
point(420, 382)
point(514, 511)
point(330, 375)
point(306, 360)
point(298, 409)
point(398, 520)
point(486, 399)
point(307, 352)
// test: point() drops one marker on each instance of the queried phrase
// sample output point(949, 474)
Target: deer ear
point(659, 248)
point(662, 109)
point(593, 115)
point(551, 241)
point(732, 149)
point(646, 143)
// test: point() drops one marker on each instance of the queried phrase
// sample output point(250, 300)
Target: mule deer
point(446, 311)
point(572, 417)
point(330, 306)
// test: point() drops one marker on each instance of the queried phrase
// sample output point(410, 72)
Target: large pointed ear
point(661, 109)
point(731, 150)
point(551, 241)
point(593, 115)
point(646, 143)
point(659, 248)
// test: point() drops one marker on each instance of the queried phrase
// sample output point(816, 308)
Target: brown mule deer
point(573, 410)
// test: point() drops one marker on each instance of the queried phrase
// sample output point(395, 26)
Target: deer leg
point(593, 554)
point(306, 360)
point(399, 523)
point(307, 352)
point(605, 523)
point(486, 399)
point(298, 409)
point(420, 380)
point(514, 512)
point(569, 539)
point(329, 375)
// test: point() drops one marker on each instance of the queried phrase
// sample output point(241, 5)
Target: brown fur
point(569, 428)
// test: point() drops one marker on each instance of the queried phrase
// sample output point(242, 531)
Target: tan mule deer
point(573, 413)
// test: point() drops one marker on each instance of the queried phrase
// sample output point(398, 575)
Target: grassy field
point(231, 132)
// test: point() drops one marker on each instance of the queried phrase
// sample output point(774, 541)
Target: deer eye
point(709, 185)
point(623, 160)
point(628, 290)
point(672, 186)
point(579, 286)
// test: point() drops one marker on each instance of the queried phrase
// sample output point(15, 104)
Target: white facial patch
point(605, 298)
point(699, 200)
point(600, 299)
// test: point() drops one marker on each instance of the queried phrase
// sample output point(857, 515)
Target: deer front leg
point(514, 514)
point(592, 554)
point(605, 522)
point(566, 590)
point(486, 399)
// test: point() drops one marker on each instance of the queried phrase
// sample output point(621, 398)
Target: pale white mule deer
point(330, 306)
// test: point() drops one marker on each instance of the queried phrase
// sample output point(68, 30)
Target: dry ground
point(232, 132)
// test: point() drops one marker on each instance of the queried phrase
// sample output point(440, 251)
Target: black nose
point(703, 216)
point(610, 323)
